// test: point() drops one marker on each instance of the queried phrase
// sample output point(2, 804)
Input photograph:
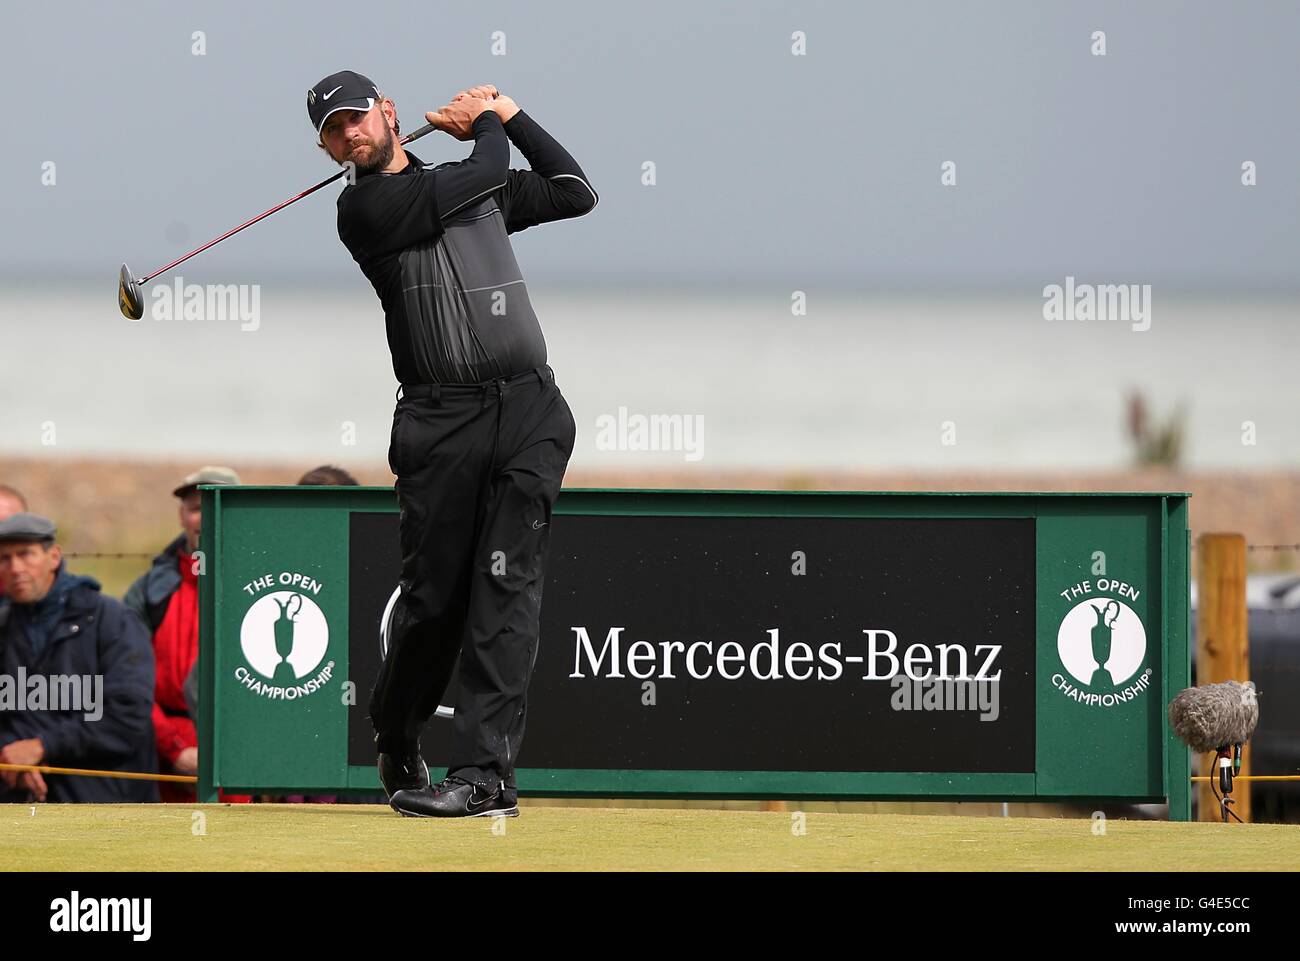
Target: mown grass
point(266, 837)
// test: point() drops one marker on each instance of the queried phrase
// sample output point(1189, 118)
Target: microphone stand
point(1228, 761)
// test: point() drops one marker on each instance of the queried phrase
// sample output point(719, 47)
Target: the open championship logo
point(1103, 646)
point(284, 637)
point(1102, 643)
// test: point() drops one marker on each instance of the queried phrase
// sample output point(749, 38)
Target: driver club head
point(128, 295)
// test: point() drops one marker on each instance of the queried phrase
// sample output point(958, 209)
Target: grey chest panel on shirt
point(467, 309)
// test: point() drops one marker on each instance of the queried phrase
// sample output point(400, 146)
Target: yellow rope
point(130, 775)
point(189, 779)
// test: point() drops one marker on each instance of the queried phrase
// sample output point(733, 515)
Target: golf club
point(131, 301)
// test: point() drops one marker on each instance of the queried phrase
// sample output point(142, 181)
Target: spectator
point(56, 625)
point(167, 599)
point(11, 503)
point(327, 475)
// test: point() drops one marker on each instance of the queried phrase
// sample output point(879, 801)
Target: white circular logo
point(284, 636)
point(1102, 642)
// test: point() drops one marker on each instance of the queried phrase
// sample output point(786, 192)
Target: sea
point(664, 377)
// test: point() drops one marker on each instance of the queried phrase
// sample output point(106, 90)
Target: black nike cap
point(345, 90)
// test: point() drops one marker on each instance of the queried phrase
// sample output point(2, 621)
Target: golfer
point(481, 434)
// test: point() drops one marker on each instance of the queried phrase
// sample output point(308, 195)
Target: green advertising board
point(735, 644)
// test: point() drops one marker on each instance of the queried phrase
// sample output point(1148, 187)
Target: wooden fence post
point(1221, 646)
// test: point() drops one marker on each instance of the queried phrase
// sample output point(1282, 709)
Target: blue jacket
point(92, 635)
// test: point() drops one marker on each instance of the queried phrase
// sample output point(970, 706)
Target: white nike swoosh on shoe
point(511, 812)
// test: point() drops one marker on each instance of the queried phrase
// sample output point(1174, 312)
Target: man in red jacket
point(167, 598)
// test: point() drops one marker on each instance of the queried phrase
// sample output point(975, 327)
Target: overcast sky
point(771, 168)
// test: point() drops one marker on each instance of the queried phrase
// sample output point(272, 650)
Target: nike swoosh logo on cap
point(332, 92)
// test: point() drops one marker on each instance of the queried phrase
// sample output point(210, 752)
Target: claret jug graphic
point(1102, 636)
point(284, 626)
point(1102, 644)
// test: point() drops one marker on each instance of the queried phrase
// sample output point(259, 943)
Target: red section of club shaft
point(310, 190)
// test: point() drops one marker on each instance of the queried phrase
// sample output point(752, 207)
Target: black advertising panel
point(758, 644)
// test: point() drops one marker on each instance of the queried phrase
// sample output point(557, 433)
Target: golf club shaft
point(427, 128)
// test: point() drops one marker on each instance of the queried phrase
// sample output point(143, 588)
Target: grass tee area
point(314, 837)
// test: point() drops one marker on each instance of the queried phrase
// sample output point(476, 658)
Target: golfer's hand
point(484, 91)
point(32, 781)
point(457, 118)
point(505, 107)
point(187, 762)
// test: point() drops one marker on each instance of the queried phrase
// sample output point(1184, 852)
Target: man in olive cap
point(59, 633)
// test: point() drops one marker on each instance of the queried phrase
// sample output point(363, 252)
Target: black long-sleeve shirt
point(432, 240)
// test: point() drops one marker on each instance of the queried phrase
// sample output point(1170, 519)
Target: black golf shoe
point(402, 772)
point(453, 798)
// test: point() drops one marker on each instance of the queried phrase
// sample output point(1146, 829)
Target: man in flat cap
point(76, 677)
point(167, 599)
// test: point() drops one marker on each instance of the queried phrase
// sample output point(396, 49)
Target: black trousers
point(478, 470)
